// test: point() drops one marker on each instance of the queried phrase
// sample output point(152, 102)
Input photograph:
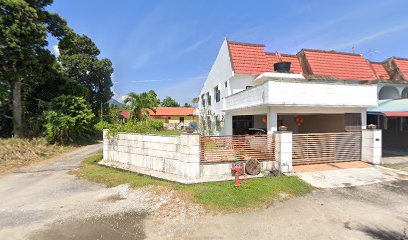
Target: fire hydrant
point(237, 170)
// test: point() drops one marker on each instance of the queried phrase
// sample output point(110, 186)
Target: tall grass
point(15, 152)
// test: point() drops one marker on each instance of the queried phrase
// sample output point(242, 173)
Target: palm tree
point(141, 103)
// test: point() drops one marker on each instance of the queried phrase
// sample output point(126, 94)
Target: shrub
point(149, 126)
point(70, 120)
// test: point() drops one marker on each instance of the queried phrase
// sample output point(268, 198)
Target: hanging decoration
point(299, 120)
point(264, 119)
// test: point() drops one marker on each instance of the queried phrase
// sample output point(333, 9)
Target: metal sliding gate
point(237, 147)
point(313, 148)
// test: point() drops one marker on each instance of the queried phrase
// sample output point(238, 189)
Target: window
point(217, 94)
point(226, 84)
point(353, 122)
point(208, 99)
point(202, 100)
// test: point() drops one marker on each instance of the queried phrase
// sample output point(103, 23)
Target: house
point(171, 116)
point(391, 115)
point(313, 91)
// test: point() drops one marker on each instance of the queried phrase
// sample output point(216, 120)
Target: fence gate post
point(371, 146)
point(283, 150)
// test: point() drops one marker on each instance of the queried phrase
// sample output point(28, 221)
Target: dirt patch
point(18, 153)
point(119, 226)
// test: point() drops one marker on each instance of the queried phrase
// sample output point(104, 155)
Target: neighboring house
point(391, 115)
point(323, 91)
point(169, 115)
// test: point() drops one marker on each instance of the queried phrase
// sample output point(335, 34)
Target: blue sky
point(170, 46)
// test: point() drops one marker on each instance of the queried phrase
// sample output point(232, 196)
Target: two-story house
point(319, 91)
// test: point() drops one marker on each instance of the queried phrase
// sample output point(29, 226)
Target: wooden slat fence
point(315, 148)
point(236, 148)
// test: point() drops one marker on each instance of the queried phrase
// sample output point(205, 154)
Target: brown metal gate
point(315, 148)
point(237, 147)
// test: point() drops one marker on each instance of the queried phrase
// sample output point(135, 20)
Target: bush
point(149, 126)
point(70, 120)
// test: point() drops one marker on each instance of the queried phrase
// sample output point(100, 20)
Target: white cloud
point(56, 50)
point(372, 36)
point(194, 46)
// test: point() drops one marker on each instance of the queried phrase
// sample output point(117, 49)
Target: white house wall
point(304, 94)
point(220, 72)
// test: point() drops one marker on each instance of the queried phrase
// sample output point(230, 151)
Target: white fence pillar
point(283, 151)
point(190, 155)
point(371, 146)
point(272, 122)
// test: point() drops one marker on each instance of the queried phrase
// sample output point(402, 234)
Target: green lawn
point(218, 196)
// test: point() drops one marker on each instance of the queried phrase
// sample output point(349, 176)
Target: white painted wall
point(302, 93)
point(392, 90)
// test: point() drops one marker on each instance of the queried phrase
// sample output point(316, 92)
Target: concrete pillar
point(105, 145)
point(364, 119)
point(371, 146)
point(272, 118)
point(190, 155)
point(227, 130)
point(283, 151)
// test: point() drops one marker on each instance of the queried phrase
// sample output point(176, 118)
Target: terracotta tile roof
point(172, 111)
point(248, 58)
point(293, 59)
point(345, 66)
point(379, 70)
point(402, 64)
point(124, 114)
point(163, 112)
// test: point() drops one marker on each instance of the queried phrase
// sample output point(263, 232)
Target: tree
point(24, 26)
point(187, 105)
point(69, 120)
point(79, 61)
point(141, 103)
point(169, 102)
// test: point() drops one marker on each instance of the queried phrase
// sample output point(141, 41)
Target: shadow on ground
point(122, 226)
point(383, 234)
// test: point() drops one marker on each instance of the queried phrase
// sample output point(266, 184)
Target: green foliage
point(70, 120)
point(79, 61)
point(140, 103)
point(169, 102)
point(148, 126)
point(187, 105)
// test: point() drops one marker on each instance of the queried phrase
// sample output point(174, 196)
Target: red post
point(237, 170)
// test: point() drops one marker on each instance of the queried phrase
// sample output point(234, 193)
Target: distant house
point(169, 115)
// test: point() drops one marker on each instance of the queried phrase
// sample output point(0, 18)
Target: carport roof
point(391, 107)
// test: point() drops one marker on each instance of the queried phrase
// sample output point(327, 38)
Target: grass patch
point(218, 196)
point(168, 132)
point(388, 165)
point(18, 152)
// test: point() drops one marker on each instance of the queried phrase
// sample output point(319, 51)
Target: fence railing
point(236, 148)
point(326, 147)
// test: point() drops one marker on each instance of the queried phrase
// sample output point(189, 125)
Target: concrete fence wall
point(173, 158)
point(177, 158)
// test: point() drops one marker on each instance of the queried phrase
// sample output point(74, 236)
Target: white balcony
point(300, 92)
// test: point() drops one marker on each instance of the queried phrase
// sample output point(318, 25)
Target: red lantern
point(264, 119)
point(299, 120)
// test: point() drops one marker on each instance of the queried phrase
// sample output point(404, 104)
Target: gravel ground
point(48, 202)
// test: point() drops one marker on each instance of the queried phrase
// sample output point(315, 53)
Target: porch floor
point(330, 166)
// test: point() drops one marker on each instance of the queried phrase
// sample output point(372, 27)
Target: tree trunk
point(17, 109)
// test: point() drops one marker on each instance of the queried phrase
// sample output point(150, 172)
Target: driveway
point(49, 202)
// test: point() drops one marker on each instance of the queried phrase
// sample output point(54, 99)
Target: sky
point(169, 46)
